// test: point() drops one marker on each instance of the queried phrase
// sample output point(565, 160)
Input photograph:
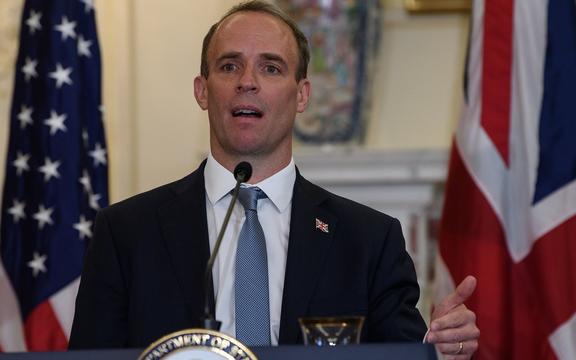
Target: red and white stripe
point(46, 328)
point(11, 331)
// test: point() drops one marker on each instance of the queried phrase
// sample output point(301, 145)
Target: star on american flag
point(33, 21)
point(99, 155)
point(17, 210)
point(55, 122)
point(21, 163)
point(84, 227)
point(66, 28)
point(84, 46)
point(44, 216)
point(50, 169)
point(61, 75)
point(29, 69)
point(25, 116)
point(37, 264)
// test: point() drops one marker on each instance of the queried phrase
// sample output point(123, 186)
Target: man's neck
point(262, 167)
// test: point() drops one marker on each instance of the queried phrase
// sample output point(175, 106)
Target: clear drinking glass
point(331, 331)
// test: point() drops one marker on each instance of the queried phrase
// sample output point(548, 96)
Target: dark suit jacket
point(143, 271)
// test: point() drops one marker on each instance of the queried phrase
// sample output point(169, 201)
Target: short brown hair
point(267, 8)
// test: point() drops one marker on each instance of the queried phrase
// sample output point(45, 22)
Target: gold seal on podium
point(191, 344)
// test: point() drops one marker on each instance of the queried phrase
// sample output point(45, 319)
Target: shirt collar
point(278, 187)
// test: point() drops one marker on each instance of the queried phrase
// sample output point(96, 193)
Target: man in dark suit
point(144, 269)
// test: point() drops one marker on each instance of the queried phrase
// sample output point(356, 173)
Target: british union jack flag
point(510, 210)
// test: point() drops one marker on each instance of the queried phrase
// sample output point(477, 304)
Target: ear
point(303, 95)
point(201, 92)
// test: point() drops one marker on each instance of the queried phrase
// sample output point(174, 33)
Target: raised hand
point(453, 328)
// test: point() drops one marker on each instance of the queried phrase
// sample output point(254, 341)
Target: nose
point(247, 81)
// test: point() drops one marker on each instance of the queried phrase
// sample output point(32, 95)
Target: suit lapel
point(307, 249)
point(183, 222)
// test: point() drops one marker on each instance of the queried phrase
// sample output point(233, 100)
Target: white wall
point(10, 11)
point(418, 85)
point(151, 53)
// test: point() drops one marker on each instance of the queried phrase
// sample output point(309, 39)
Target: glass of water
point(331, 331)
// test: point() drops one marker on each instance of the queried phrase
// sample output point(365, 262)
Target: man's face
point(251, 92)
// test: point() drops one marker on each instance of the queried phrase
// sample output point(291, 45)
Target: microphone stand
point(242, 173)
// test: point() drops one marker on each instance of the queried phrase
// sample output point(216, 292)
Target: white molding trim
point(405, 184)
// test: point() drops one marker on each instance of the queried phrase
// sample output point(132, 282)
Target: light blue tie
point(251, 286)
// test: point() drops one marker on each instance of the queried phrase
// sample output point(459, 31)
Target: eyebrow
point(274, 57)
point(229, 55)
point(232, 55)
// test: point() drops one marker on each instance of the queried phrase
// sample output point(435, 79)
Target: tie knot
point(249, 196)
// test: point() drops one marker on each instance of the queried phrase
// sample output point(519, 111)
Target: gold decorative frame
point(437, 5)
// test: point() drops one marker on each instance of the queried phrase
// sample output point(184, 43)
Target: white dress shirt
point(274, 215)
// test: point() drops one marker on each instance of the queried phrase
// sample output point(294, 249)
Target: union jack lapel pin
point(322, 226)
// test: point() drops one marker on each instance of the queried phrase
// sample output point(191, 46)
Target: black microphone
point(242, 173)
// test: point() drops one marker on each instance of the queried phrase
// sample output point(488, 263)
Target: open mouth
point(247, 112)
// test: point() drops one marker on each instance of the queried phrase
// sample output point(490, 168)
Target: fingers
point(462, 292)
point(453, 351)
point(458, 317)
point(465, 333)
point(458, 325)
point(453, 329)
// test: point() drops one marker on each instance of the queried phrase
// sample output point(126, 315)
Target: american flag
point(56, 173)
point(510, 208)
